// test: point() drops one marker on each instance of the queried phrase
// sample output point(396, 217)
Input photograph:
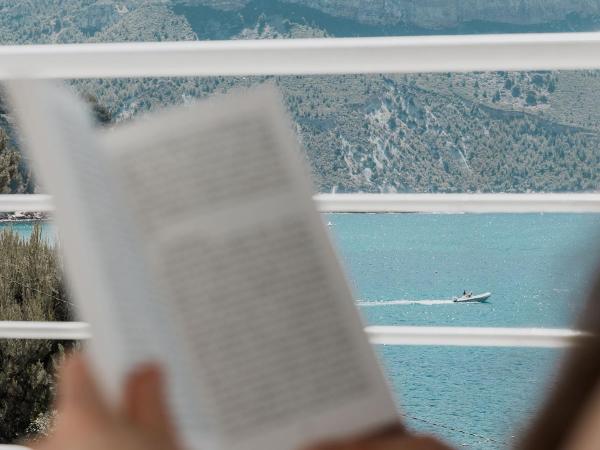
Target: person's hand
point(142, 422)
point(86, 422)
point(392, 438)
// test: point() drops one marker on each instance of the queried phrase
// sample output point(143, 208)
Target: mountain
point(499, 131)
point(377, 17)
point(436, 14)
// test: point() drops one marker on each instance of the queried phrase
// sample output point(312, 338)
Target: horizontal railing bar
point(44, 330)
point(445, 203)
point(390, 335)
point(25, 203)
point(531, 51)
point(475, 336)
point(456, 203)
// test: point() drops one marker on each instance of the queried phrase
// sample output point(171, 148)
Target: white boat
point(470, 298)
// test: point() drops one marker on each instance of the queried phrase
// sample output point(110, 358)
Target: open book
point(190, 238)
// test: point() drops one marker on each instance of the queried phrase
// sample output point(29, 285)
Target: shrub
point(31, 288)
point(14, 176)
point(531, 98)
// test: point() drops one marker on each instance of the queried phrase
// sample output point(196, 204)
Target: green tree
point(392, 123)
point(31, 288)
point(531, 98)
point(101, 112)
point(14, 176)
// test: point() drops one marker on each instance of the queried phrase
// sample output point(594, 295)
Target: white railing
point(555, 51)
point(356, 203)
point(25, 203)
point(387, 335)
point(44, 330)
point(560, 51)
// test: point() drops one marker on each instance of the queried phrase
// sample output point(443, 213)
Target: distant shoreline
point(20, 217)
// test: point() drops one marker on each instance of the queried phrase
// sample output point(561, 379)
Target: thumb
point(79, 399)
point(145, 402)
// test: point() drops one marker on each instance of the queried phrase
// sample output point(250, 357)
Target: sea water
point(25, 227)
point(405, 268)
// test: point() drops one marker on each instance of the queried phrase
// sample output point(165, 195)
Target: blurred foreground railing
point(408, 54)
point(386, 335)
point(425, 203)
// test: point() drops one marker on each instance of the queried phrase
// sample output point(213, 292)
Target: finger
point(145, 402)
point(78, 395)
point(404, 443)
point(392, 431)
point(331, 445)
point(35, 445)
point(429, 443)
point(390, 441)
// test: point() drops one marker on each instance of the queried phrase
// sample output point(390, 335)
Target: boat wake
point(404, 302)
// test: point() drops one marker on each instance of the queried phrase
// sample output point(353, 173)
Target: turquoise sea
point(25, 228)
point(406, 267)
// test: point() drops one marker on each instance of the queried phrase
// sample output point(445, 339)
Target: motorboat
point(470, 298)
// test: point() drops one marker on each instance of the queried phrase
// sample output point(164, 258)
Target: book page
point(108, 275)
point(242, 261)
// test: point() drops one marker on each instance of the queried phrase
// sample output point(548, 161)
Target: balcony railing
point(554, 51)
point(544, 51)
point(388, 335)
point(389, 203)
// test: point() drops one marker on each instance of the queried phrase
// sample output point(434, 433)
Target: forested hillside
point(498, 131)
